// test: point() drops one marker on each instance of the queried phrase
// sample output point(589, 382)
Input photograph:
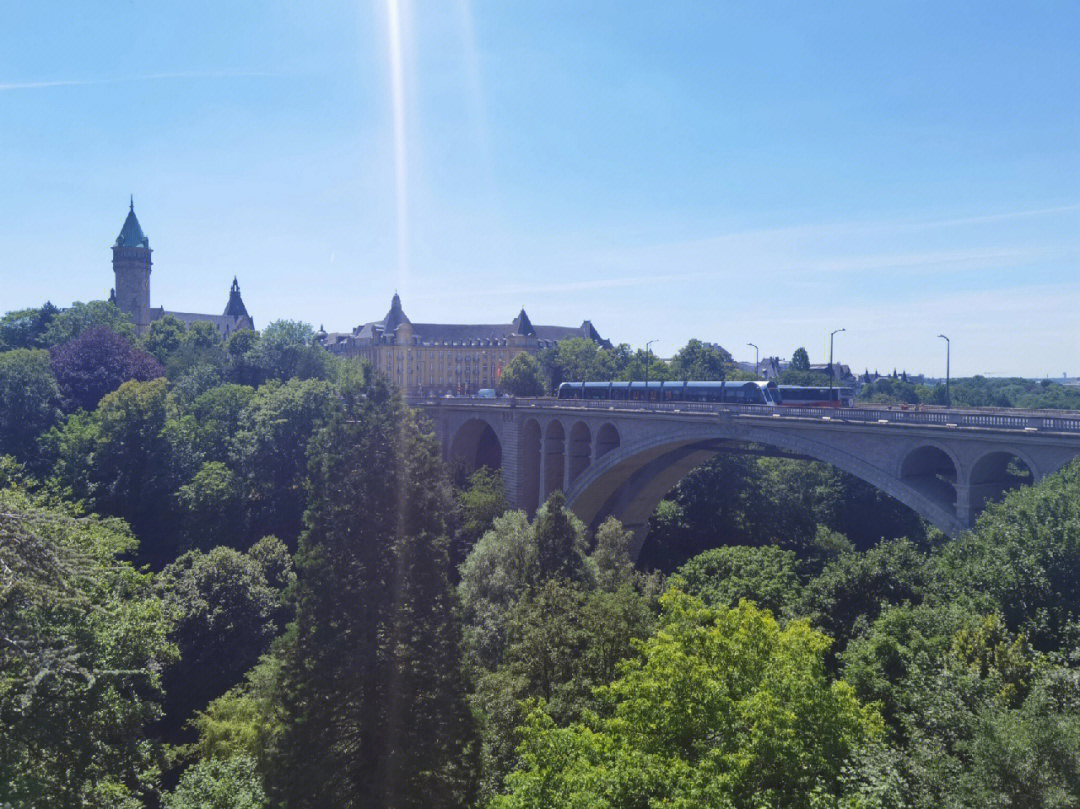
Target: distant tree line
point(580, 360)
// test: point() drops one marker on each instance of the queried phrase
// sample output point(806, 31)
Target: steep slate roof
point(225, 324)
point(523, 325)
point(131, 234)
point(395, 317)
point(235, 307)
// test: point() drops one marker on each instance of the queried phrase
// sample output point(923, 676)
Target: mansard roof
point(235, 307)
point(131, 234)
point(466, 333)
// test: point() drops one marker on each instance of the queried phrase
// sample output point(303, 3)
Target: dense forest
point(236, 574)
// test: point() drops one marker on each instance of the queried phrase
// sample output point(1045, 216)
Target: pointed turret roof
point(523, 326)
point(235, 307)
point(395, 317)
point(131, 234)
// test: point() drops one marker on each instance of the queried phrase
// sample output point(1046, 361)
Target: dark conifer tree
point(556, 542)
point(375, 697)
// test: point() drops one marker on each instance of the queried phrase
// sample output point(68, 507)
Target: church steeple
point(235, 307)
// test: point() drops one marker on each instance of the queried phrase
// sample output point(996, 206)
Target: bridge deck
point(1044, 421)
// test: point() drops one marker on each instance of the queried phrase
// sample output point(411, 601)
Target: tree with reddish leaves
point(97, 362)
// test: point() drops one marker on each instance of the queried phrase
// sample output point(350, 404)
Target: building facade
point(131, 268)
point(441, 358)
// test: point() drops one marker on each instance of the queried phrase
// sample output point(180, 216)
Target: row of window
point(445, 355)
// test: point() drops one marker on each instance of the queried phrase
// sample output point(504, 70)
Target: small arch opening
point(932, 472)
point(607, 439)
point(475, 446)
point(996, 474)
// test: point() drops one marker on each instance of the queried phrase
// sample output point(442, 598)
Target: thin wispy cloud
point(1001, 217)
point(969, 260)
point(792, 233)
point(220, 74)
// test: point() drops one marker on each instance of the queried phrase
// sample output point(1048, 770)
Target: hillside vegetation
point(238, 575)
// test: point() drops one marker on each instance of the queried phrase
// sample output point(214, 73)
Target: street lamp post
point(648, 356)
point(948, 358)
point(756, 357)
point(831, 335)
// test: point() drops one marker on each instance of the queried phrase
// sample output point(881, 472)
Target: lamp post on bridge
point(648, 356)
point(948, 357)
point(756, 358)
point(831, 335)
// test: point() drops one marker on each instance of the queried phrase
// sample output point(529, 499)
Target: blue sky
point(752, 172)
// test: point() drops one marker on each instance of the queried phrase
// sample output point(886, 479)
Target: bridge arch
point(628, 481)
point(996, 473)
point(934, 472)
point(475, 445)
point(607, 439)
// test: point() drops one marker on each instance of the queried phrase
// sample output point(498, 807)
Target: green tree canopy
point(507, 561)
point(210, 507)
point(636, 363)
point(853, 588)
point(1021, 559)
point(232, 783)
point(226, 607)
point(479, 505)
point(579, 360)
point(270, 453)
point(25, 328)
point(29, 400)
point(523, 376)
point(83, 643)
point(68, 324)
point(286, 349)
point(698, 361)
point(722, 577)
point(800, 360)
point(723, 708)
point(165, 336)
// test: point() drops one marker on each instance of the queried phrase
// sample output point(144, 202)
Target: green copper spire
point(131, 235)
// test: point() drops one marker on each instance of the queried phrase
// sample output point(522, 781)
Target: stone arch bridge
point(621, 458)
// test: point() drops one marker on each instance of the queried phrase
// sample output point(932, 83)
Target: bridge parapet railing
point(997, 419)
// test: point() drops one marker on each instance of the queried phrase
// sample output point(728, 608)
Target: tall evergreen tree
point(375, 697)
point(557, 540)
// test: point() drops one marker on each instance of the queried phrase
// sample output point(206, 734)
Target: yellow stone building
point(440, 358)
